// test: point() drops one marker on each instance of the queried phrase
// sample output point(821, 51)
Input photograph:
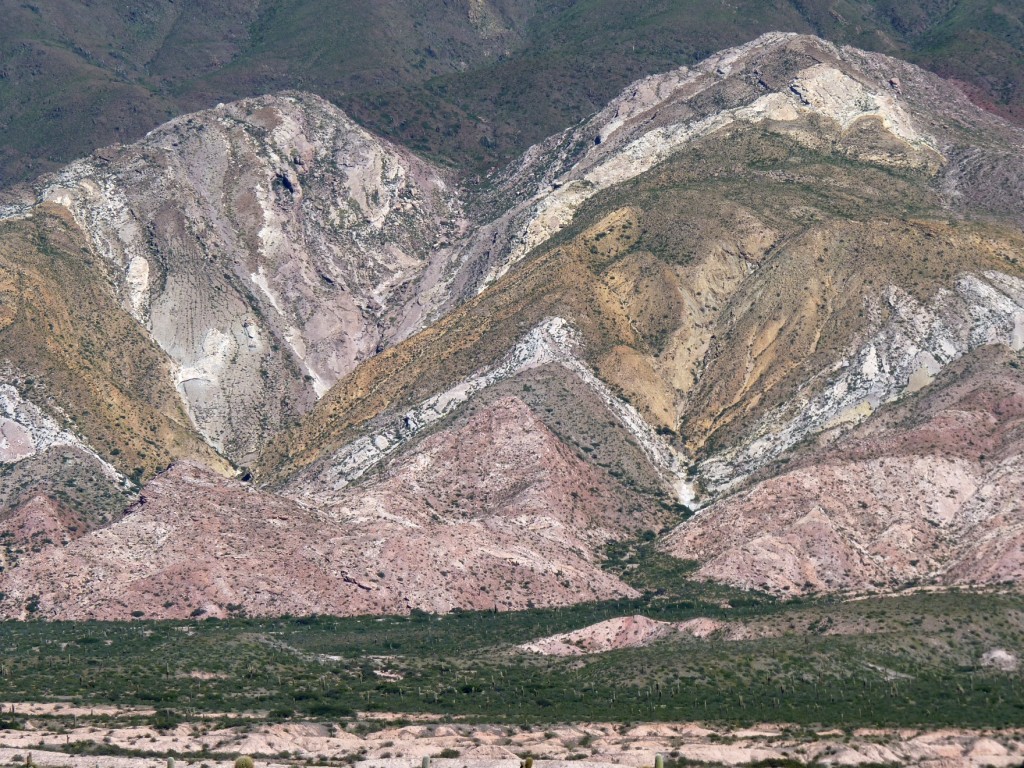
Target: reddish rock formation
point(929, 490)
point(497, 513)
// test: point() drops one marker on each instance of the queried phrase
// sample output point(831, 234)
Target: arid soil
point(266, 246)
point(497, 513)
point(929, 491)
point(585, 745)
point(735, 262)
point(623, 632)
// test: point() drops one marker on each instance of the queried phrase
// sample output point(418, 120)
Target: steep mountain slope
point(725, 266)
point(86, 400)
point(267, 247)
point(653, 310)
point(491, 513)
point(927, 491)
point(744, 317)
point(474, 81)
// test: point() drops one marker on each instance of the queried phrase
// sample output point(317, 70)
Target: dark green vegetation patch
point(897, 661)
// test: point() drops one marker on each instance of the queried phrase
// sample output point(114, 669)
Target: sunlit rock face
point(268, 246)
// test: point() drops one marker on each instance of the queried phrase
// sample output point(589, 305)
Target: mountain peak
point(647, 315)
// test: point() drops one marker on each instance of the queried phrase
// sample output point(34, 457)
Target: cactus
point(244, 762)
point(425, 762)
point(170, 762)
point(659, 761)
point(528, 763)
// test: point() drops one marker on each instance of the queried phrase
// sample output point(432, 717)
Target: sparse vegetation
point(910, 660)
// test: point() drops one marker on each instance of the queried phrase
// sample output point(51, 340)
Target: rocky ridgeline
point(271, 248)
point(554, 341)
point(268, 246)
point(912, 345)
point(494, 514)
point(925, 493)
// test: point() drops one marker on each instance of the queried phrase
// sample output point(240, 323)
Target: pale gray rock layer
point(268, 246)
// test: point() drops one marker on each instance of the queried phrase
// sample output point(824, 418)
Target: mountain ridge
point(473, 83)
point(668, 302)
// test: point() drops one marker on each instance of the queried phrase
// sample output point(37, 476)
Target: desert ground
point(401, 741)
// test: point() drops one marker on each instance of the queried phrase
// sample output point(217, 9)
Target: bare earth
point(928, 491)
point(497, 513)
point(587, 745)
point(621, 632)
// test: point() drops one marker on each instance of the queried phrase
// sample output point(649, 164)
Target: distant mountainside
point(472, 82)
point(770, 307)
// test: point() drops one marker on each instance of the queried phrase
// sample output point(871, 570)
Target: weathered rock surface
point(929, 490)
point(772, 249)
point(623, 632)
point(911, 345)
point(496, 513)
point(795, 85)
point(743, 321)
point(553, 342)
point(267, 246)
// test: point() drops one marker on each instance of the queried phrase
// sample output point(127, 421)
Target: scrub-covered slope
point(473, 81)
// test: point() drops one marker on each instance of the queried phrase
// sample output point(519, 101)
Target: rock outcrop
point(492, 514)
point(714, 294)
point(926, 492)
point(622, 632)
point(268, 246)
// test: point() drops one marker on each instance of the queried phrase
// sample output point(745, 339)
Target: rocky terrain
point(928, 491)
point(494, 513)
point(625, 632)
point(584, 745)
point(267, 247)
point(782, 287)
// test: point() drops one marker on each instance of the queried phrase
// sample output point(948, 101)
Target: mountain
point(267, 246)
point(928, 490)
point(781, 289)
point(474, 82)
point(494, 514)
point(87, 403)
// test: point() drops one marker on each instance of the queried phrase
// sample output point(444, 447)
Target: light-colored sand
point(586, 745)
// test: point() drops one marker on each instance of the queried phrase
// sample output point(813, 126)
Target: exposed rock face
point(496, 513)
point(268, 246)
point(552, 342)
point(623, 632)
point(904, 355)
point(1000, 659)
point(88, 409)
point(772, 249)
point(42, 461)
point(928, 491)
point(25, 430)
point(794, 85)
